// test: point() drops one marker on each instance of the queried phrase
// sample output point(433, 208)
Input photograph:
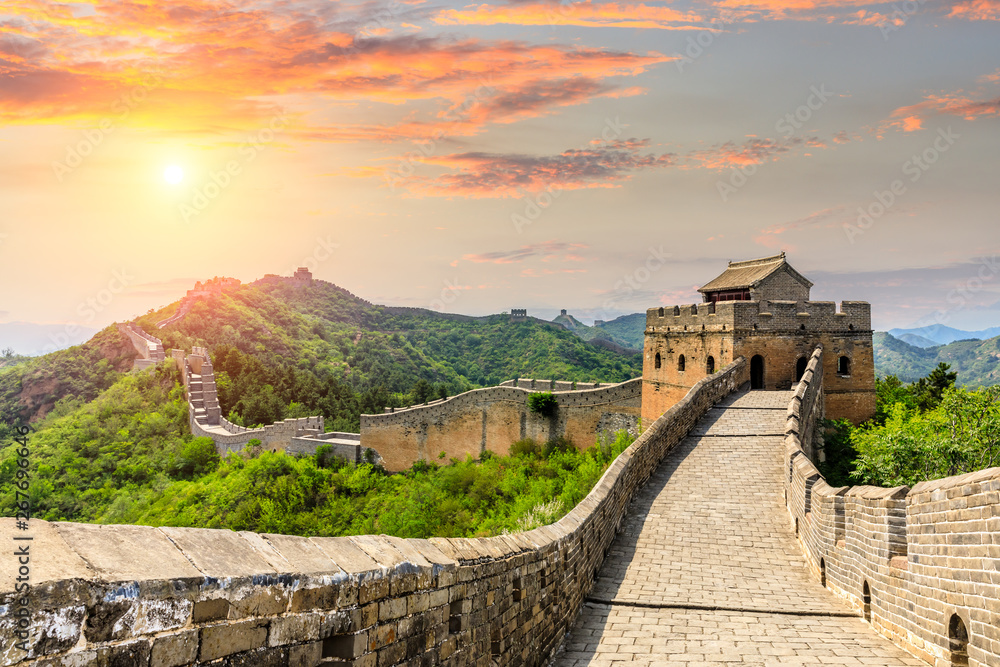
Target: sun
point(173, 174)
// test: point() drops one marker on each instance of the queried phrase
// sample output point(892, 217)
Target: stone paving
point(707, 569)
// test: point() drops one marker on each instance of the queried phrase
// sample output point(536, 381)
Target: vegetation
point(282, 351)
point(975, 361)
point(543, 403)
point(924, 430)
point(127, 457)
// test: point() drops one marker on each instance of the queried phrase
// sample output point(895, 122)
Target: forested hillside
point(977, 362)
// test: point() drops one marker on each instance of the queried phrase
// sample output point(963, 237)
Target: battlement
point(749, 316)
point(150, 349)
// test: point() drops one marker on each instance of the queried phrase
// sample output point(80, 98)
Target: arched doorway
point(710, 365)
point(800, 368)
point(958, 641)
point(757, 372)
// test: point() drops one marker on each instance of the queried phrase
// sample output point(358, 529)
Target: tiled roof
point(750, 273)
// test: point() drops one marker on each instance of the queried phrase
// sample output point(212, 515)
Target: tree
point(930, 390)
point(422, 391)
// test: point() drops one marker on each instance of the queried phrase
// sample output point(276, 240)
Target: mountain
point(603, 337)
point(28, 338)
point(284, 349)
point(916, 341)
point(630, 329)
point(940, 334)
point(976, 361)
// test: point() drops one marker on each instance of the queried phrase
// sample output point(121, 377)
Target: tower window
point(680, 363)
point(656, 360)
point(710, 365)
point(844, 366)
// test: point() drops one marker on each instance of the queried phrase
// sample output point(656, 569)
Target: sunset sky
point(603, 157)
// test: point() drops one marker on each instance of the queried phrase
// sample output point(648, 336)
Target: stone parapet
point(162, 597)
point(918, 563)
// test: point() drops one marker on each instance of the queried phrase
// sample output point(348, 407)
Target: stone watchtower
point(760, 310)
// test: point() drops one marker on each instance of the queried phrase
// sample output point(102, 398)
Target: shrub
point(543, 403)
point(526, 447)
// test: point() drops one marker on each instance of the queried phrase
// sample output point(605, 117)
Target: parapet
point(743, 316)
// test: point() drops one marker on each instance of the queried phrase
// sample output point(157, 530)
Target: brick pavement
point(707, 569)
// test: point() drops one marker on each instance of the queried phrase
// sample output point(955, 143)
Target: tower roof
point(751, 273)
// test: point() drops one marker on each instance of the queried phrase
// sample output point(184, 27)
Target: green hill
point(628, 329)
point(976, 361)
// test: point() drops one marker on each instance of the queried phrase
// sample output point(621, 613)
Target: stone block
point(218, 641)
point(175, 650)
point(126, 553)
point(218, 553)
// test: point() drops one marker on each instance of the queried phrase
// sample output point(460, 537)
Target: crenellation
point(925, 553)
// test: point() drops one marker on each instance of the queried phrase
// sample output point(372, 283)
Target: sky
point(603, 157)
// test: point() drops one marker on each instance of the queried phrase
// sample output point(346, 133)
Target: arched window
point(677, 311)
point(866, 599)
point(694, 309)
point(680, 363)
point(660, 313)
point(800, 368)
point(710, 365)
point(656, 360)
point(844, 366)
point(958, 641)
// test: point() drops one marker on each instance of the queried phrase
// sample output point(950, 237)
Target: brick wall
point(164, 597)
point(494, 418)
point(926, 554)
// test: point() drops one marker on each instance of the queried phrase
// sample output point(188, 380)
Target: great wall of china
point(712, 539)
point(909, 562)
point(462, 425)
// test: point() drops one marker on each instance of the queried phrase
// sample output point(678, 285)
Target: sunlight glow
point(173, 174)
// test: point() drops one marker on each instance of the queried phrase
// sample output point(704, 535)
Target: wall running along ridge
point(164, 597)
point(150, 349)
point(927, 554)
point(496, 417)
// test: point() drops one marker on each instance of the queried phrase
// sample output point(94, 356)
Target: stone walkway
point(707, 571)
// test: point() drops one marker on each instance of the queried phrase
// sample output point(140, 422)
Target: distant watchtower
point(518, 314)
point(303, 275)
point(759, 309)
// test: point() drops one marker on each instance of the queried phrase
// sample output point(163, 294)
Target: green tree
point(543, 403)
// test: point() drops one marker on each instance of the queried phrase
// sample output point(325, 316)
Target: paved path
point(707, 571)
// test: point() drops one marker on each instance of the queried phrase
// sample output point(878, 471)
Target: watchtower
point(759, 309)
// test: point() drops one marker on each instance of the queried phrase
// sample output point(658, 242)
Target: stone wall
point(150, 349)
point(494, 418)
point(296, 436)
point(918, 563)
point(782, 333)
point(164, 597)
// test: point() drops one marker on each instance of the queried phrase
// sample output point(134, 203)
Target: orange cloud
point(976, 10)
point(910, 118)
point(484, 175)
point(586, 14)
point(222, 66)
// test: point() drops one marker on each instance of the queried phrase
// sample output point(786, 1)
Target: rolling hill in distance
point(275, 343)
